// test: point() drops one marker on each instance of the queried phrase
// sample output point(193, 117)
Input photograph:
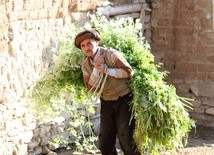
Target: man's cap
point(87, 34)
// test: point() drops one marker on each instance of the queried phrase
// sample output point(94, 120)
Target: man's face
point(89, 47)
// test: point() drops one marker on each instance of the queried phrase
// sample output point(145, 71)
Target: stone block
point(210, 111)
point(199, 110)
point(38, 5)
point(67, 22)
point(33, 144)
point(50, 4)
point(194, 77)
point(65, 3)
point(52, 13)
point(61, 13)
point(206, 67)
point(202, 119)
point(3, 16)
point(44, 140)
point(18, 5)
point(183, 31)
point(208, 102)
point(9, 6)
point(27, 120)
point(2, 145)
point(44, 130)
point(46, 150)
point(75, 16)
point(203, 89)
point(34, 14)
point(26, 136)
point(43, 14)
point(165, 22)
point(22, 149)
point(190, 57)
point(38, 150)
point(14, 124)
point(184, 22)
point(8, 147)
point(210, 58)
point(28, 5)
point(22, 15)
point(186, 67)
point(12, 16)
point(86, 5)
point(197, 103)
point(187, 5)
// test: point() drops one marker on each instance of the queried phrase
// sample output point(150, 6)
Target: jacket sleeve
point(121, 68)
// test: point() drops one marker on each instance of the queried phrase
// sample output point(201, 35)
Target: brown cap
point(87, 34)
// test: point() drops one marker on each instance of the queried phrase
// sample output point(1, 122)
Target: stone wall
point(183, 40)
point(30, 31)
point(16, 128)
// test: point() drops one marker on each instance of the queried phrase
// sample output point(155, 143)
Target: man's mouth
point(88, 51)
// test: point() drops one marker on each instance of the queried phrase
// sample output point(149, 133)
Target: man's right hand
point(99, 62)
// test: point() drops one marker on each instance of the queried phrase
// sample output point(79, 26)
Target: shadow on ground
point(200, 142)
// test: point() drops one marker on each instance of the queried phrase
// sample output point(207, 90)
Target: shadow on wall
point(49, 52)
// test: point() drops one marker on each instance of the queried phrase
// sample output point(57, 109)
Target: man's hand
point(102, 68)
point(99, 60)
point(99, 64)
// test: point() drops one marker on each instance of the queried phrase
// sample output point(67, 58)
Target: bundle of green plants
point(162, 120)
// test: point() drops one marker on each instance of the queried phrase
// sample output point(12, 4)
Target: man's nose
point(87, 48)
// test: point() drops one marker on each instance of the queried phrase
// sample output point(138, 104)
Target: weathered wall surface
point(183, 39)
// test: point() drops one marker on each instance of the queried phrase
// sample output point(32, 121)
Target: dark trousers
point(115, 121)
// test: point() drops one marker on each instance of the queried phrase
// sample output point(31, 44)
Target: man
point(106, 72)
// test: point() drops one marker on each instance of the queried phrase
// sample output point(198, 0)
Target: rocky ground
point(201, 142)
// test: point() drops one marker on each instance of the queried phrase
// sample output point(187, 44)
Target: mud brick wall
point(183, 40)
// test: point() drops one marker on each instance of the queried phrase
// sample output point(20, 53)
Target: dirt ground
point(200, 142)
